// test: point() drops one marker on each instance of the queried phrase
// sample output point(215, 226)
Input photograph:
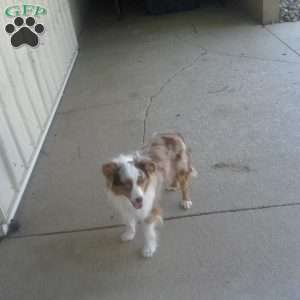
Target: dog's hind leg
point(183, 179)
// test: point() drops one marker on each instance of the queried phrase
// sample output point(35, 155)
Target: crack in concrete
point(225, 54)
point(178, 72)
point(204, 52)
point(219, 90)
point(178, 217)
point(282, 41)
point(99, 106)
point(232, 166)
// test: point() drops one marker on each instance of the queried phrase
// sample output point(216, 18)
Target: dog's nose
point(139, 200)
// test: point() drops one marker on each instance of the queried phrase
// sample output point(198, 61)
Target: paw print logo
point(22, 34)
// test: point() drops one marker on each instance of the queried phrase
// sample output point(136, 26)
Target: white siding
point(31, 84)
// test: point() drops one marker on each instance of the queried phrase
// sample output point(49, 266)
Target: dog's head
point(129, 177)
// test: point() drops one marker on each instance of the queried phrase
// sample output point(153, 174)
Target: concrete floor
point(232, 88)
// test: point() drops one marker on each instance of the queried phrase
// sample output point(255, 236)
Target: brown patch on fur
point(109, 169)
point(146, 165)
point(155, 216)
point(121, 188)
point(144, 181)
point(113, 180)
point(148, 168)
point(170, 142)
point(178, 156)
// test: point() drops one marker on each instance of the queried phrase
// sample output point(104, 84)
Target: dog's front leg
point(150, 236)
point(130, 231)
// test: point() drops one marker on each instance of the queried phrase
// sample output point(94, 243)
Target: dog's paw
point(148, 251)
point(171, 188)
point(127, 236)
point(186, 204)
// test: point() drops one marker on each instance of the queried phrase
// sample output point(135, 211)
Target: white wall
point(31, 84)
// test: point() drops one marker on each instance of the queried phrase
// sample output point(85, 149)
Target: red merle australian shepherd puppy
point(134, 183)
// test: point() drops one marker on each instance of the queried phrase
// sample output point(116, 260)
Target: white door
point(38, 47)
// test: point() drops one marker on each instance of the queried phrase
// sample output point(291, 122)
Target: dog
point(134, 184)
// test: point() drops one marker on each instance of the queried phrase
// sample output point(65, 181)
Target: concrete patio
point(232, 88)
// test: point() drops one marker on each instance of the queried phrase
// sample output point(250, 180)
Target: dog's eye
point(140, 180)
point(128, 185)
point(117, 180)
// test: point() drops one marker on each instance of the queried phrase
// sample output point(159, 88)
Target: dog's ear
point(109, 169)
point(147, 165)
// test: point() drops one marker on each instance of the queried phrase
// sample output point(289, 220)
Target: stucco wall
point(264, 11)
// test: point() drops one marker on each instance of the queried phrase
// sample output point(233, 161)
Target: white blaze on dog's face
point(129, 177)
